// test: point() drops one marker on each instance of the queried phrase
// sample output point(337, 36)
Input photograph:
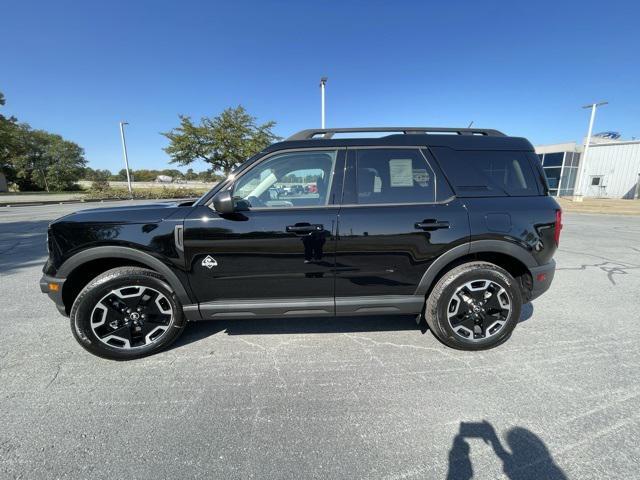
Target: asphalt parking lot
point(343, 398)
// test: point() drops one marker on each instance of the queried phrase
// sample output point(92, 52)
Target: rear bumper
point(542, 277)
point(48, 285)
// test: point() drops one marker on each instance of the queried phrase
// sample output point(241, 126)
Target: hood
point(142, 213)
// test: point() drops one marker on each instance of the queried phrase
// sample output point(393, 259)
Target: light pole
point(323, 82)
point(126, 158)
point(579, 181)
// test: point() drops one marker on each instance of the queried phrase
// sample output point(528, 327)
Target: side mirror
point(223, 202)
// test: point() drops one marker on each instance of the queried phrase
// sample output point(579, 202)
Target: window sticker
point(401, 172)
point(421, 176)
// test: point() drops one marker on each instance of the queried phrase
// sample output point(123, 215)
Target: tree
point(47, 161)
point(9, 145)
point(209, 176)
point(97, 174)
point(173, 173)
point(145, 175)
point(66, 162)
point(224, 141)
point(121, 175)
point(35, 159)
point(190, 175)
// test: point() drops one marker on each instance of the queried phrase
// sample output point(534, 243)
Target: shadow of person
point(528, 458)
point(460, 467)
point(313, 246)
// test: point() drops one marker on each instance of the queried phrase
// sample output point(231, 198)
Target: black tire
point(443, 298)
point(94, 299)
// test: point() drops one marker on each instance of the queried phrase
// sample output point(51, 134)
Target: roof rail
point(330, 132)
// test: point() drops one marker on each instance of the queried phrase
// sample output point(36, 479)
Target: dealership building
point(612, 169)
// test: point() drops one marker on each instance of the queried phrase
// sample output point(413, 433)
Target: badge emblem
point(209, 262)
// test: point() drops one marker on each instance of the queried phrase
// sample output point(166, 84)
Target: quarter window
point(393, 176)
point(489, 173)
point(294, 179)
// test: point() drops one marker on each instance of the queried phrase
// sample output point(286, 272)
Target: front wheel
point(126, 313)
point(474, 306)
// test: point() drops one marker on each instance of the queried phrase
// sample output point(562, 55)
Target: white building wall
point(619, 165)
point(559, 147)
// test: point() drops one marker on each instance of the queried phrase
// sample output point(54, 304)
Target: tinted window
point(553, 176)
point(393, 176)
point(296, 179)
point(487, 173)
point(553, 159)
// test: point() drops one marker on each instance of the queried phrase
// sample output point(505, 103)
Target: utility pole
point(323, 82)
point(126, 158)
point(577, 193)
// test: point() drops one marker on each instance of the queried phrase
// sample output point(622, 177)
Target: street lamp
point(583, 162)
point(323, 82)
point(126, 158)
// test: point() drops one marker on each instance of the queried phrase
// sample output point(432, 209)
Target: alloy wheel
point(131, 317)
point(479, 309)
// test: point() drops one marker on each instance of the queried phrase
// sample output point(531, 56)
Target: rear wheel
point(474, 306)
point(126, 313)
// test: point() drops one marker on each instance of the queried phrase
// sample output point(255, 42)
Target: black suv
point(452, 225)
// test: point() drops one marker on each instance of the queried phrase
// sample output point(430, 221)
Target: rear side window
point(392, 175)
point(487, 173)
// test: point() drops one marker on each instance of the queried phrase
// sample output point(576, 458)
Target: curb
point(49, 202)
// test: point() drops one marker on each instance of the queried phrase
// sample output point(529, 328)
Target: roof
point(330, 132)
point(456, 138)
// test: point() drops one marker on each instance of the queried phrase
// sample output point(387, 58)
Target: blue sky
point(77, 68)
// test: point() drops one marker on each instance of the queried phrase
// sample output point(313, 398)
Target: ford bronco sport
point(452, 225)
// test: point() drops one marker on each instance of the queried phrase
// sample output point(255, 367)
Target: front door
point(398, 215)
point(277, 256)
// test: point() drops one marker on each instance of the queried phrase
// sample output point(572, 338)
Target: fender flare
point(478, 246)
point(96, 253)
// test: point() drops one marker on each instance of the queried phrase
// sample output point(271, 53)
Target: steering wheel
point(255, 201)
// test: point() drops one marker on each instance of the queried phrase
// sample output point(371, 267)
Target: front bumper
point(52, 286)
point(542, 277)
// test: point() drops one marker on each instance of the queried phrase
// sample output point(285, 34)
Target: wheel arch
point(513, 258)
point(82, 267)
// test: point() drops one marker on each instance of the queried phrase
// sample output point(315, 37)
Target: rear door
point(398, 215)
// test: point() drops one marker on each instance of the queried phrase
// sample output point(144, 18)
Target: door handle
point(431, 225)
point(305, 228)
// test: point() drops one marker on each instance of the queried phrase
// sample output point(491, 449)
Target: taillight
point(557, 227)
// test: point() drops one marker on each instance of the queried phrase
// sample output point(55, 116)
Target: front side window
point(294, 179)
point(393, 175)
